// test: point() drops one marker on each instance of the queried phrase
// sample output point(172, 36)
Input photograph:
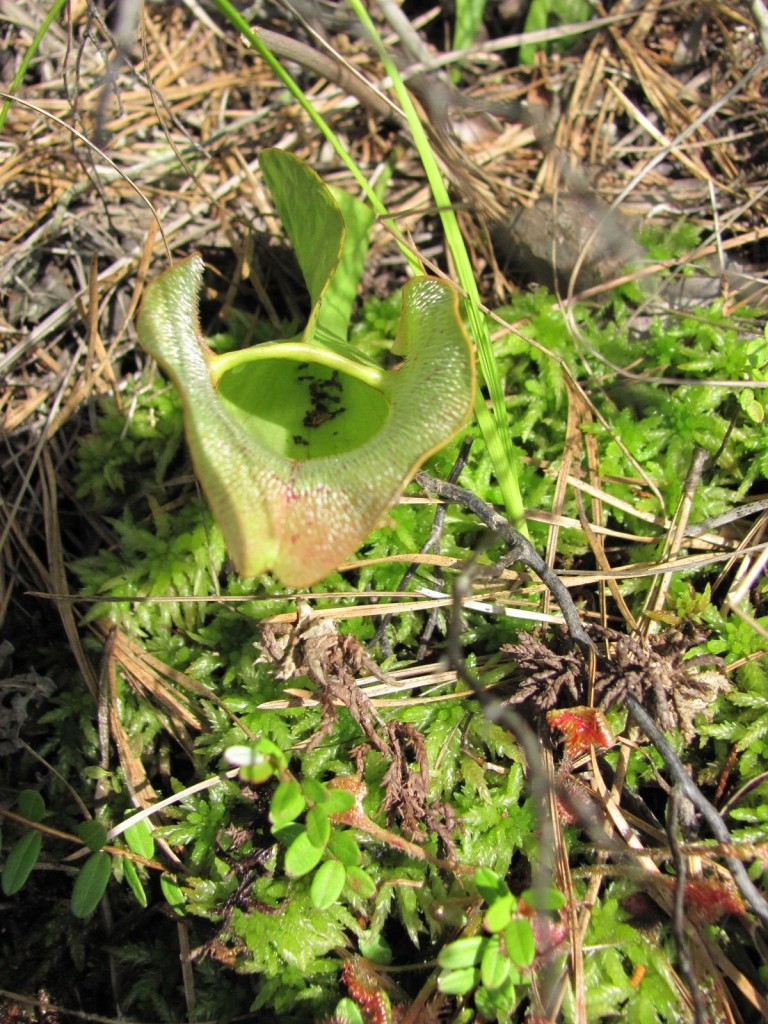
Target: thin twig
point(678, 906)
point(714, 522)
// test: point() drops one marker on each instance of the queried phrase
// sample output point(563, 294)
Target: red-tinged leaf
point(582, 728)
point(709, 899)
point(542, 899)
point(347, 1012)
point(361, 882)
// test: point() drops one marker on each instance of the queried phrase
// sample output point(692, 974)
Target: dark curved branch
point(520, 550)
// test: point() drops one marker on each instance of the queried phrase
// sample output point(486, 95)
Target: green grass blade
point(26, 60)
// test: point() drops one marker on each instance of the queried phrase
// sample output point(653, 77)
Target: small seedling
point(495, 968)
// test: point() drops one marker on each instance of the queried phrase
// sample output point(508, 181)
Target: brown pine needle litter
point(122, 152)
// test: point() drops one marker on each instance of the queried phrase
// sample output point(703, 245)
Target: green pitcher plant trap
point(302, 444)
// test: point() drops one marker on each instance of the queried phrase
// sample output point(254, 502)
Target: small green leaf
point(755, 411)
point(466, 952)
point(134, 882)
point(93, 834)
point(301, 856)
point(343, 846)
point(459, 982)
point(314, 791)
point(496, 1004)
point(31, 805)
point(139, 839)
point(174, 897)
point(361, 882)
point(494, 967)
point(337, 801)
point(287, 803)
point(469, 18)
point(489, 885)
point(318, 827)
point(21, 859)
point(546, 13)
point(520, 941)
point(375, 948)
point(348, 1012)
point(499, 914)
point(286, 834)
point(545, 899)
point(327, 884)
point(269, 749)
point(90, 884)
point(256, 774)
